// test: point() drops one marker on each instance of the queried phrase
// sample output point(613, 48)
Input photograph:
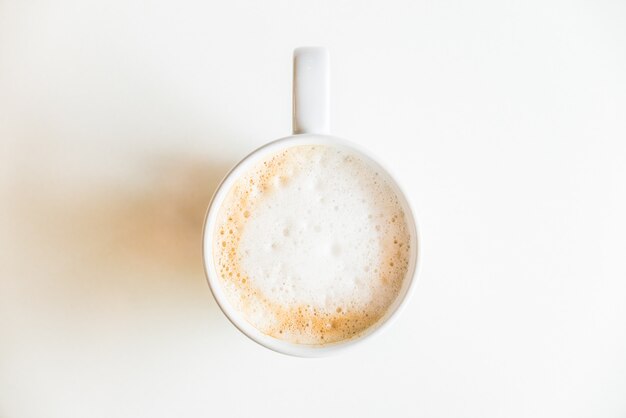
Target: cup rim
point(237, 319)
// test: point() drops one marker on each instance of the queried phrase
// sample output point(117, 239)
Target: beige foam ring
point(303, 324)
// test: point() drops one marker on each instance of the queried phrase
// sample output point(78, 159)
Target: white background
point(505, 121)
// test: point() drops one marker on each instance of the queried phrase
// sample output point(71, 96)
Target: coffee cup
point(310, 246)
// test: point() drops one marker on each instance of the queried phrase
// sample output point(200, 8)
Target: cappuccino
point(311, 244)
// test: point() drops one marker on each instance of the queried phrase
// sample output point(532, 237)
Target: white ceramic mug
point(311, 125)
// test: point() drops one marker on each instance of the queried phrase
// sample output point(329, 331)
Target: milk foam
point(312, 245)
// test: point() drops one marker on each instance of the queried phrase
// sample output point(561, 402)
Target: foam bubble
point(312, 245)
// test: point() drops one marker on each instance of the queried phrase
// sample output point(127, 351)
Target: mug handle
point(311, 91)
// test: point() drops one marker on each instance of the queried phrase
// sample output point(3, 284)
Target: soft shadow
point(121, 248)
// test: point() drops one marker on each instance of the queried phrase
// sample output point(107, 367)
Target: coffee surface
point(311, 245)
